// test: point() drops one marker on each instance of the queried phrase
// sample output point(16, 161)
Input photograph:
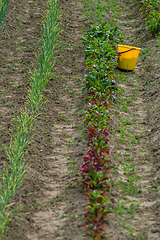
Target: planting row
point(23, 125)
point(3, 6)
point(100, 84)
point(151, 14)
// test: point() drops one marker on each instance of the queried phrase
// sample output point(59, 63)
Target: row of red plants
point(100, 53)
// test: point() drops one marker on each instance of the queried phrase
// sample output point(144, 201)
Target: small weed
point(64, 117)
point(116, 157)
point(64, 215)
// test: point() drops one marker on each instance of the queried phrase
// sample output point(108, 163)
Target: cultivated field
point(82, 154)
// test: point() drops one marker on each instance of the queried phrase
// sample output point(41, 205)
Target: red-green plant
point(96, 216)
point(95, 169)
point(151, 14)
point(100, 49)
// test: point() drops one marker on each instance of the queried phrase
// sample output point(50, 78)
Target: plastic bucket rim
point(119, 53)
point(126, 46)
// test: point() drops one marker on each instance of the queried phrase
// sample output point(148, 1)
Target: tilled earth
point(51, 209)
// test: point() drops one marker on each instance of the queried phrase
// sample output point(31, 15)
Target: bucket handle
point(119, 53)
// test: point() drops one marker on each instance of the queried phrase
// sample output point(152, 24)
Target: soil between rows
point(139, 89)
point(51, 209)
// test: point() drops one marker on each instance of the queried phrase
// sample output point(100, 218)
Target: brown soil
point(53, 210)
point(140, 91)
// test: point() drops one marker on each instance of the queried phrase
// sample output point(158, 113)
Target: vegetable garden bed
point(119, 118)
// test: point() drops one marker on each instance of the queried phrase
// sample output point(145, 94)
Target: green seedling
point(3, 7)
point(144, 53)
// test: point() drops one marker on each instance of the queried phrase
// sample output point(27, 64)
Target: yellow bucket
point(127, 57)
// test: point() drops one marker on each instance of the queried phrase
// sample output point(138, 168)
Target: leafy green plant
point(151, 14)
point(100, 50)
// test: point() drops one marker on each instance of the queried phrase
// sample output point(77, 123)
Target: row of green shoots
point(151, 14)
point(3, 7)
point(23, 125)
point(100, 85)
